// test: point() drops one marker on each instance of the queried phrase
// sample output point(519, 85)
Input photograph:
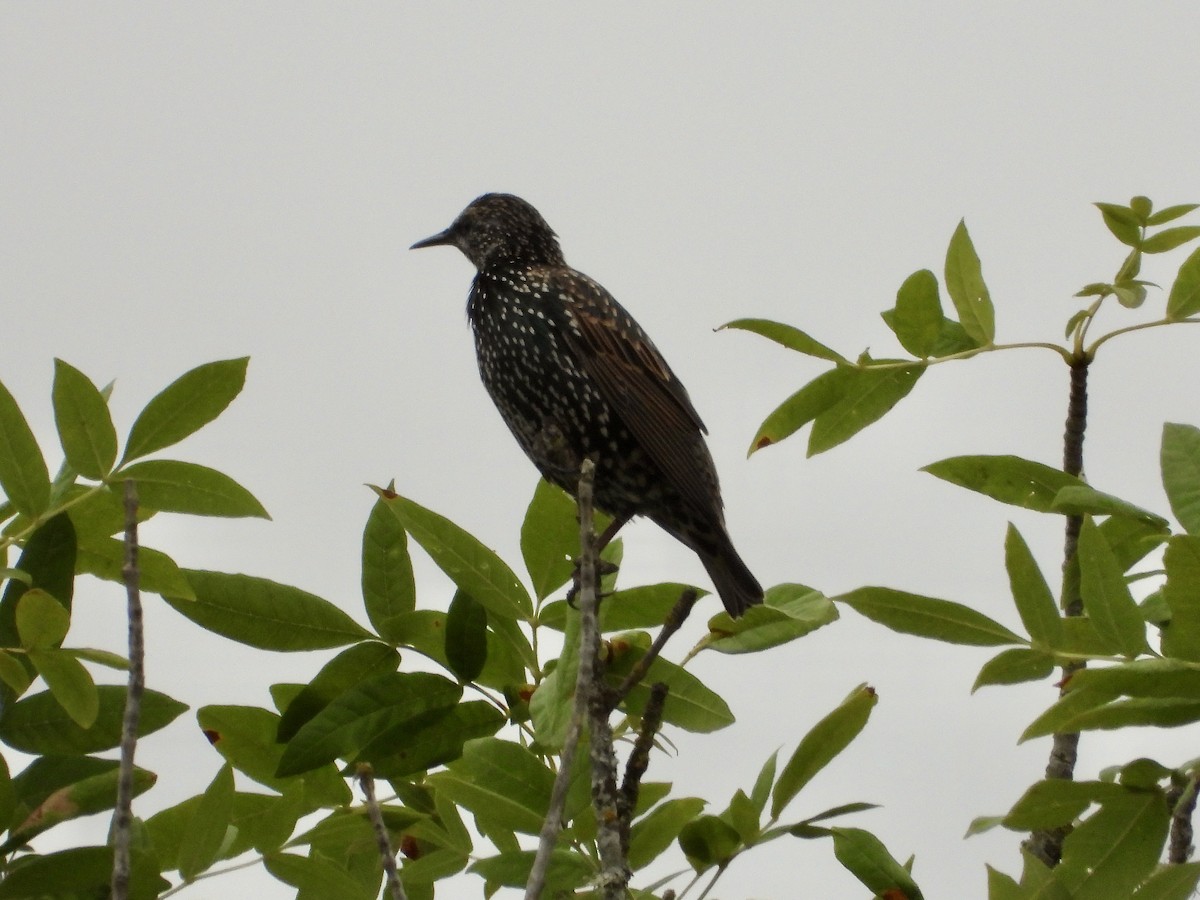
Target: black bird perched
point(574, 376)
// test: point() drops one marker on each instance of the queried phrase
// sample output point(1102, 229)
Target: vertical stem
point(122, 820)
point(366, 780)
point(1046, 845)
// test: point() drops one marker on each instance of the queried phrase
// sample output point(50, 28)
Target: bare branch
point(639, 758)
point(122, 820)
point(678, 615)
point(366, 779)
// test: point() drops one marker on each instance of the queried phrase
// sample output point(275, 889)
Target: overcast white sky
point(188, 182)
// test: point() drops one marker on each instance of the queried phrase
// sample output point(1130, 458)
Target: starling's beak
point(446, 237)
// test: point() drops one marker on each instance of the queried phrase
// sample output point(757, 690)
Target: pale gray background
point(187, 182)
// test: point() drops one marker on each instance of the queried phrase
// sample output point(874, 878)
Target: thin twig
point(366, 779)
point(1182, 798)
point(122, 820)
point(639, 759)
point(614, 870)
point(675, 619)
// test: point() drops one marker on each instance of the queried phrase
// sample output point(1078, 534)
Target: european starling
point(574, 376)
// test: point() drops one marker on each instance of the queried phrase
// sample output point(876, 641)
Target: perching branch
point(366, 779)
point(122, 820)
point(1047, 844)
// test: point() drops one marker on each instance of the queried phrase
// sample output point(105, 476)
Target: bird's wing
point(641, 389)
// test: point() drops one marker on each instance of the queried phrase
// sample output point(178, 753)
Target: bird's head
point(500, 229)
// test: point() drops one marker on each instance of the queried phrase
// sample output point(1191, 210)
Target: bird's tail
point(738, 587)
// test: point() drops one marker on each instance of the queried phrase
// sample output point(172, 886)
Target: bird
point(574, 376)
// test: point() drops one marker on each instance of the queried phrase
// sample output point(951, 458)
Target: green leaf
point(23, 473)
point(1015, 666)
point(918, 317)
point(1114, 849)
point(1184, 298)
point(344, 672)
point(942, 620)
point(866, 397)
point(1009, 479)
point(67, 798)
point(245, 736)
point(1130, 294)
point(502, 781)
point(466, 637)
point(169, 485)
point(1106, 596)
point(789, 611)
point(565, 872)
point(42, 622)
point(69, 683)
point(965, 285)
point(432, 743)
point(1180, 461)
point(388, 587)
point(1141, 678)
point(49, 561)
point(865, 856)
point(1173, 882)
point(761, 791)
point(316, 877)
point(14, 674)
point(85, 426)
point(802, 407)
point(1122, 222)
point(550, 538)
point(38, 724)
point(655, 832)
point(1053, 802)
point(1171, 213)
point(157, 572)
point(80, 872)
point(471, 566)
point(265, 614)
point(1083, 499)
point(1143, 711)
point(382, 708)
point(1170, 238)
point(1141, 207)
point(185, 406)
point(708, 841)
point(1066, 709)
point(787, 336)
point(1035, 603)
point(645, 606)
point(1182, 593)
point(822, 744)
point(206, 831)
point(690, 704)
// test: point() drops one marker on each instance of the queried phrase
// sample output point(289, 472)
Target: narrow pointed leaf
point(1083, 499)
point(787, 336)
point(654, 833)
point(186, 405)
point(1182, 593)
point(1173, 882)
point(918, 315)
point(343, 673)
point(822, 744)
point(1064, 710)
point(965, 285)
point(466, 637)
point(1009, 479)
point(1180, 461)
point(802, 407)
point(867, 396)
point(1140, 711)
point(1184, 298)
point(315, 876)
point(1171, 213)
point(765, 781)
point(942, 620)
point(1113, 850)
point(1035, 603)
point(85, 426)
point(550, 538)
point(1106, 596)
point(385, 705)
point(435, 741)
point(69, 683)
point(169, 485)
point(501, 780)
point(1015, 666)
point(38, 724)
point(1057, 801)
point(388, 587)
point(691, 705)
point(23, 474)
point(1122, 222)
point(471, 566)
point(205, 833)
point(265, 614)
point(865, 856)
point(80, 872)
point(157, 572)
point(1170, 238)
point(790, 611)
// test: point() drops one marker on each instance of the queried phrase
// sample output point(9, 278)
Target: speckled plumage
point(574, 375)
